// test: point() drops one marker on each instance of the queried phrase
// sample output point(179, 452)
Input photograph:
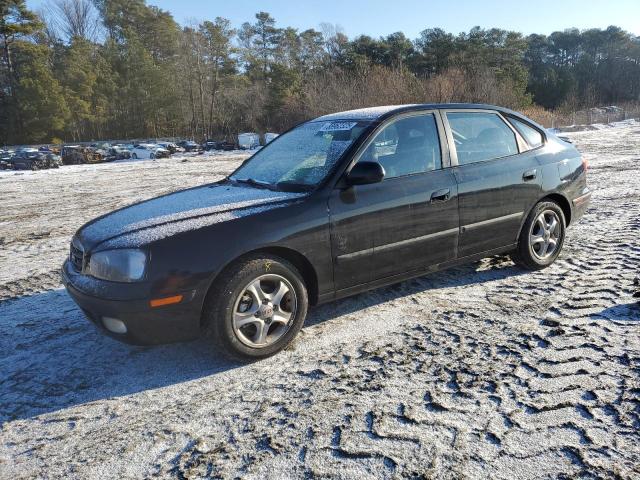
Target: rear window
point(480, 136)
point(533, 137)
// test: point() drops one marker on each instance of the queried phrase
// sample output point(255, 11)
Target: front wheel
point(256, 307)
point(541, 238)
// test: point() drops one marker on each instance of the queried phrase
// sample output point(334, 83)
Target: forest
point(80, 70)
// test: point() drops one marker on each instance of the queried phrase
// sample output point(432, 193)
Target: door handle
point(441, 195)
point(529, 175)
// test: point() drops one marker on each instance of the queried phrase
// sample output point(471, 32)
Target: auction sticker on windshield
point(335, 126)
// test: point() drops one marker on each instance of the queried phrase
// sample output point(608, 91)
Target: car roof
point(382, 112)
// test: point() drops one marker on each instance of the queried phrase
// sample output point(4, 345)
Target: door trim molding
point(491, 221)
point(401, 243)
point(409, 241)
point(357, 253)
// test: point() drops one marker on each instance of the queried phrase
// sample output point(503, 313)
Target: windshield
point(303, 156)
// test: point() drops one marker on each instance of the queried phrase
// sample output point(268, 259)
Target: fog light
point(114, 325)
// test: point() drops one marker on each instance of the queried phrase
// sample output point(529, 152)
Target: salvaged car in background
point(189, 145)
point(208, 145)
point(5, 159)
point(336, 206)
point(117, 153)
point(33, 159)
point(218, 145)
point(79, 154)
point(28, 159)
point(170, 147)
point(226, 146)
point(53, 160)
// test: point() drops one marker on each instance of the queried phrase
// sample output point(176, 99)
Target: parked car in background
point(189, 145)
point(218, 145)
point(117, 152)
point(227, 146)
point(171, 147)
point(247, 141)
point(29, 159)
point(149, 150)
point(53, 160)
point(269, 137)
point(338, 205)
point(208, 145)
point(79, 154)
point(5, 159)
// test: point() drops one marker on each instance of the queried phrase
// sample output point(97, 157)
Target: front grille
point(76, 255)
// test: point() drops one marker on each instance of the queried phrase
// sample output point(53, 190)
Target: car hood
point(178, 212)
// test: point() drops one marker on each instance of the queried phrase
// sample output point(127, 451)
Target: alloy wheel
point(545, 234)
point(264, 310)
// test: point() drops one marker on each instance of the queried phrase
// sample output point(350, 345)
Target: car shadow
point(489, 269)
point(621, 312)
point(52, 358)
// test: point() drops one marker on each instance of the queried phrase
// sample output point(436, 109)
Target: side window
point(480, 136)
point(407, 146)
point(532, 135)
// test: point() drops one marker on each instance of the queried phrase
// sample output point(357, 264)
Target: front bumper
point(145, 325)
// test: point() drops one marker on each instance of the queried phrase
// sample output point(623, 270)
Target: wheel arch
point(298, 260)
point(557, 198)
point(563, 203)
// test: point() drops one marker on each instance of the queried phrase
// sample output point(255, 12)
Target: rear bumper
point(580, 205)
point(145, 325)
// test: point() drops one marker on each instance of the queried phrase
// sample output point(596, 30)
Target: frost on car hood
point(177, 212)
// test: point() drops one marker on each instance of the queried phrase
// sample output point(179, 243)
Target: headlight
point(118, 265)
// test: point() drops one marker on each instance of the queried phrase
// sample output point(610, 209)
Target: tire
point(134, 156)
point(152, 156)
point(541, 239)
point(232, 301)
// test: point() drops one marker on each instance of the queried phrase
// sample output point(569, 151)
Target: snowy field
point(483, 371)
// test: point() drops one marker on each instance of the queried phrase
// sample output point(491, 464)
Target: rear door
point(499, 178)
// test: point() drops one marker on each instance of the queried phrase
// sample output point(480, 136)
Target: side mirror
point(364, 173)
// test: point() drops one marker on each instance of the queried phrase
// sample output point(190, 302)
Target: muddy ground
point(484, 371)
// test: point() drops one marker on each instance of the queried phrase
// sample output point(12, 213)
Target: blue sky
point(382, 17)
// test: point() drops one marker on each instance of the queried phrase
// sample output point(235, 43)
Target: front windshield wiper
point(254, 182)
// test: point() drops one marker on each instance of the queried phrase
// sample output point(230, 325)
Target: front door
point(407, 221)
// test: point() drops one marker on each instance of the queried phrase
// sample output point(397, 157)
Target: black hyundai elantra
point(337, 205)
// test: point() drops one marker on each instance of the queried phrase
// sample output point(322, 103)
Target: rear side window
point(532, 136)
point(480, 136)
point(406, 146)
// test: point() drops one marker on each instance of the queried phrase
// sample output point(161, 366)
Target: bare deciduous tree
point(73, 18)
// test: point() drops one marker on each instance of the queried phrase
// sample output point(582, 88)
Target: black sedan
point(188, 145)
point(338, 205)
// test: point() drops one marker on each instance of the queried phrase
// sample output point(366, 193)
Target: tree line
point(99, 69)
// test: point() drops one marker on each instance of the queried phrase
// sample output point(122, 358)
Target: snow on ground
point(480, 371)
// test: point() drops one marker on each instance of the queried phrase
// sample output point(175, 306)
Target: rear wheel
point(541, 238)
point(134, 156)
point(256, 307)
point(152, 156)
